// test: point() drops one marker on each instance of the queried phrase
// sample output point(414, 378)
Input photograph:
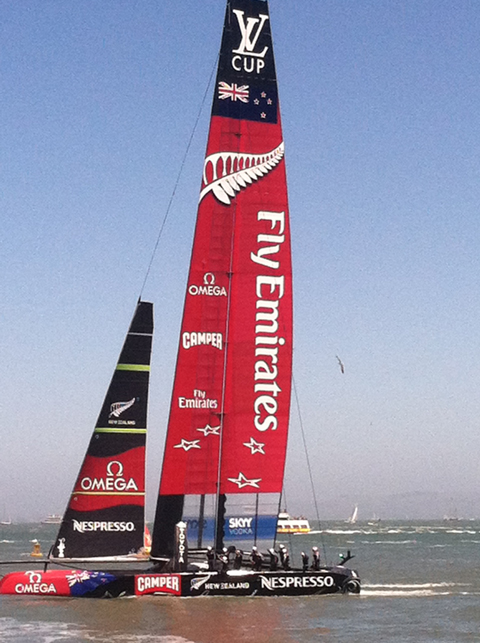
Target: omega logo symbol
point(110, 469)
point(34, 577)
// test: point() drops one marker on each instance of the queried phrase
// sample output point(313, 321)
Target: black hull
point(335, 580)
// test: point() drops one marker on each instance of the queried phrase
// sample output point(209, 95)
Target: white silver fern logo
point(117, 408)
point(225, 173)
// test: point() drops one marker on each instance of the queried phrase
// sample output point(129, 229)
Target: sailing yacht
point(224, 459)
point(352, 519)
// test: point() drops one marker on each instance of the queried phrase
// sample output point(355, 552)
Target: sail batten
point(228, 422)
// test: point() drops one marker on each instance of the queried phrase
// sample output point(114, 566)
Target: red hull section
point(62, 582)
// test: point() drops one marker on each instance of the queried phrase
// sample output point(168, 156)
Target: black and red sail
point(106, 512)
point(228, 424)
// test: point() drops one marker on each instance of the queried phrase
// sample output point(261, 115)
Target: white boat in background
point(52, 519)
point(288, 525)
point(5, 520)
point(353, 518)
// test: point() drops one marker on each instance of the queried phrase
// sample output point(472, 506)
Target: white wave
point(407, 585)
point(7, 541)
point(388, 542)
point(395, 593)
point(39, 632)
point(439, 546)
point(408, 590)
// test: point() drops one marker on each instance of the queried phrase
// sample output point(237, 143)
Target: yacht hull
point(89, 584)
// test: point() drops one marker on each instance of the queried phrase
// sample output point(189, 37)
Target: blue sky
point(381, 125)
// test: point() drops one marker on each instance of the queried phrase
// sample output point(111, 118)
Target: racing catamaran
point(224, 457)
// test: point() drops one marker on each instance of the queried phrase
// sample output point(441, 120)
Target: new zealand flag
point(257, 102)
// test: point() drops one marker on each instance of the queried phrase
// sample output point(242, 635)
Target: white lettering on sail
point(83, 526)
point(189, 340)
point(195, 403)
point(269, 292)
point(199, 401)
point(246, 57)
point(273, 240)
point(209, 288)
point(114, 481)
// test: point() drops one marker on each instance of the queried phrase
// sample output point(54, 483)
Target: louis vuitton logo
point(250, 31)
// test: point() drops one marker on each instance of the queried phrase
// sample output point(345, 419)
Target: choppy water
point(420, 583)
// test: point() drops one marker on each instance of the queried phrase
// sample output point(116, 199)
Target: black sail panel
point(106, 512)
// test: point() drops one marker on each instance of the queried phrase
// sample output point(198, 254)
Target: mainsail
point(227, 433)
point(106, 512)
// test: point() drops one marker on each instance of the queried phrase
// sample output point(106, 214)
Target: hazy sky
point(380, 107)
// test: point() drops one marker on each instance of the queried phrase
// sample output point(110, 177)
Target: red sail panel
point(231, 394)
point(259, 364)
point(193, 439)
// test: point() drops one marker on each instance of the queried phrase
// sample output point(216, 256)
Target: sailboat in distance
point(224, 458)
point(352, 519)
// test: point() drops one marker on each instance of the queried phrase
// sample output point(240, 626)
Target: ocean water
point(420, 583)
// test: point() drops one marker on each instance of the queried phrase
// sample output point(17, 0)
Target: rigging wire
point(283, 497)
point(177, 181)
point(302, 431)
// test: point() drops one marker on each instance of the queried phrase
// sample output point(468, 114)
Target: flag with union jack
point(233, 91)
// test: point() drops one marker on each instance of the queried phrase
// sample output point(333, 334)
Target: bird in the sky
point(342, 367)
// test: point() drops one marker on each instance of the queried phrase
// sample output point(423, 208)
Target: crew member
point(315, 559)
point(273, 560)
point(257, 559)
point(304, 561)
point(286, 559)
point(224, 560)
point(238, 560)
point(211, 559)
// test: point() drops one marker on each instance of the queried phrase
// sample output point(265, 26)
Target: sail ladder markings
point(117, 430)
point(133, 367)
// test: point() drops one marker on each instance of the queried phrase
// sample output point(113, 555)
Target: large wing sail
point(227, 434)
